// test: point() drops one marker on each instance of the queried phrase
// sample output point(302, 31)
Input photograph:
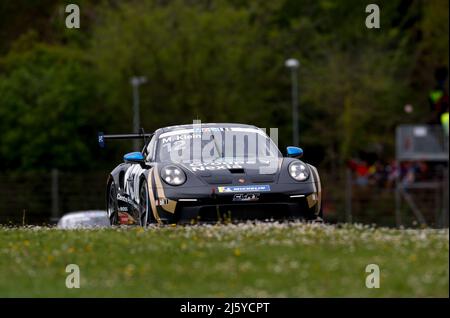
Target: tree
point(48, 109)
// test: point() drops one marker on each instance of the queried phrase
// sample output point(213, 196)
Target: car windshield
point(216, 144)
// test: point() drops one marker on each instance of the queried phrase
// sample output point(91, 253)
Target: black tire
point(311, 215)
point(320, 215)
point(111, 207)
point(319, 218)
point(144, 204)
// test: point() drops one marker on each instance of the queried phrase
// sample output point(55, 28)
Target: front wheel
point(319, 217)
point(113, 211)
point(144, 204)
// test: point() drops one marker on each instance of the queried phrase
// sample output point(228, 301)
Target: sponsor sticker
point(123, 218)
point(162, 201)
point(248, 188)
point(124, 199)
point(246, 197)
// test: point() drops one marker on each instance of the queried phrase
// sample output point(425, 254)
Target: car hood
point(223, 172)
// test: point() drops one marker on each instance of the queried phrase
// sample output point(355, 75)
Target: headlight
point(298, 171)
point(173, 175)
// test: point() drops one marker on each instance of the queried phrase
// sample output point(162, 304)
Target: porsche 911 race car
point(210, 173)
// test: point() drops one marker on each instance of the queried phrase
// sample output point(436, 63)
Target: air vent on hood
point(218, 180)
point(262, 178)
point(236, 170)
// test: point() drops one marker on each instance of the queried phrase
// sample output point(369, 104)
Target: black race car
point(209, 173)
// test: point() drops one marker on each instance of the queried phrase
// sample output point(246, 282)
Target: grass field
point(248, 260)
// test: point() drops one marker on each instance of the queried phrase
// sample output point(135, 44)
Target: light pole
point(294, 64)
point(136, 81)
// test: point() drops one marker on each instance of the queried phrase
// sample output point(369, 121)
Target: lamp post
point(136, 81)
point(293, 65)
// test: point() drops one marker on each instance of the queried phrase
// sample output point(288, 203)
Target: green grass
point(262, 260)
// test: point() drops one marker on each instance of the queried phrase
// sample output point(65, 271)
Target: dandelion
point(129, 270)
point(140, 229)
point(50, 258)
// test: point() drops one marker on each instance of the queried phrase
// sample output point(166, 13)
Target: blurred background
point(371, 102)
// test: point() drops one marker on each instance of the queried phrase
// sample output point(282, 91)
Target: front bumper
point(206, 204)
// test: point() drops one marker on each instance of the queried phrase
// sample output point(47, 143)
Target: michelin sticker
point(256, 188)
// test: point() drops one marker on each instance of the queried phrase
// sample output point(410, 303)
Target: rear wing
point(102, 137)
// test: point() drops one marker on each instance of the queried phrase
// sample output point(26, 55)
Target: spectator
point(438, 97)
point(444, 122)
point(380, 174)
point(392, 171)
point(362, 170)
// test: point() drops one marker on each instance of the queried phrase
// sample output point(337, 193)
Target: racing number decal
point(175, 146)
point(131, 180)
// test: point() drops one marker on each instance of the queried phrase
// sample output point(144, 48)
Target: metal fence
point(42, 197)
point(347, 200)
point(37, 198)
point(422, 158)
point(421, 142)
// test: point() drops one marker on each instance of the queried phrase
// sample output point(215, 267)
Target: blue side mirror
point(294, 152)
point(134, 157)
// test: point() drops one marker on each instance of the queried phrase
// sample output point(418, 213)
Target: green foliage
point(257, 260)
point(48, 102)
point(220, 61)
point(207, 63)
